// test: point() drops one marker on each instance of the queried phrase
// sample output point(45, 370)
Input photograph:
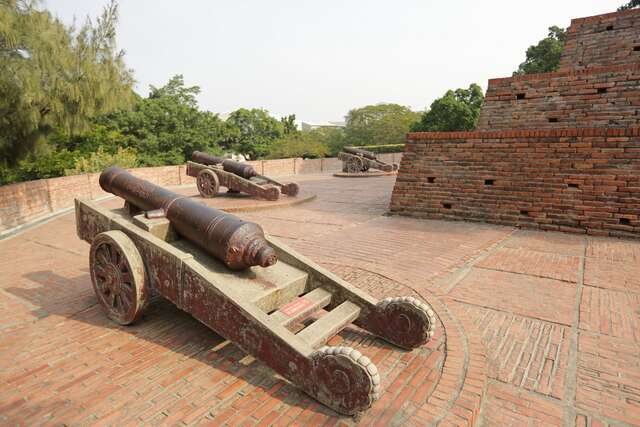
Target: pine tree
point(55, 77)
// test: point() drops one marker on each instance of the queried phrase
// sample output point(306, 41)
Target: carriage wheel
point(118, 276)
point(208, 183)
point(354, 165)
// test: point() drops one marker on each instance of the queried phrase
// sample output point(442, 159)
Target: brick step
point(301, 308)
point(330, 324)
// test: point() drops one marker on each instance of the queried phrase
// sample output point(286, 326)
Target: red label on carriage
point(296, 306)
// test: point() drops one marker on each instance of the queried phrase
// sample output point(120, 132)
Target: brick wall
point(608, 96)
point(579, 180)
point(28, 201)
point(603, 40)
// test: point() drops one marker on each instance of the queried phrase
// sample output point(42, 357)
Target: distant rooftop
point(307, 126)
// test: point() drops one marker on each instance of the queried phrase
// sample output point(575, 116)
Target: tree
point(457, 110)
point(630, 5)
point(379, 124)
point(164, 128)
point(310, 145)
point(289, 124)
point(545, 56)
point(53, 76)
point(251, 132)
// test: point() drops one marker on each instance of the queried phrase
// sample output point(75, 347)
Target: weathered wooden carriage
point(212, 172)
point(212, 265)
point(356, 160)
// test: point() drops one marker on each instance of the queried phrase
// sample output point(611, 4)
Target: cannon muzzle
point(358, 151)
point(237, 243)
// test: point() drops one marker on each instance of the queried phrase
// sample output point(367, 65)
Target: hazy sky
point(318, 59)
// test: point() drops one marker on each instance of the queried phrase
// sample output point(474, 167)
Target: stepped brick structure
point(607, 96)
point(602, 41)
point(556, 151)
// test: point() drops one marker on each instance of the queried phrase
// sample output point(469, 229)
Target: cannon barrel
point(237, 243)
point(205, 159)
point(240, 169)
point(364, 153)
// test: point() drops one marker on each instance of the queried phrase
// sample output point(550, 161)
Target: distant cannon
point(357, 160)
point(211, 172)
point(209, 264)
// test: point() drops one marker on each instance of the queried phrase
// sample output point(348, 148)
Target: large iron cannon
point(357, 160)
point(239, 244)
point(163, 244)
point(211, 172)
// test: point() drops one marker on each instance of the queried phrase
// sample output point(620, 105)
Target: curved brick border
point(259, 205)
point(456, 396)
point(363, 174)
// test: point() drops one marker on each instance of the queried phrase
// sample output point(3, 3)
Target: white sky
point(318, 59)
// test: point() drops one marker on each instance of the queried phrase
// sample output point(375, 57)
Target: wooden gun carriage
point(356, 160)
point(162, 244)
point(212, 172)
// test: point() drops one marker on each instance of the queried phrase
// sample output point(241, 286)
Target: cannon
point(357, 160)
point(212, 172)
point(275, 304)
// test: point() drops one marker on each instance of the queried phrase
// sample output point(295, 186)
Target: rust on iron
point(357, 160)
point(205, 158)
point(213, 172)
point(239, 244)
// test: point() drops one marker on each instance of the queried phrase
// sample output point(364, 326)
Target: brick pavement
point(536, 328)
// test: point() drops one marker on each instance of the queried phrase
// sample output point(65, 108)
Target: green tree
point(100, 160)
point(252, 132)
point(310, 145)
point(164, 128)
point(289, 124)
point(379, 124)
point(457, 110)
point(630, 5)
point(545, 56)
point(53, 76)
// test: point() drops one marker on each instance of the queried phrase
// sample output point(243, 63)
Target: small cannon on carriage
point(212, 172)
point(244, 285)
point(357, 160)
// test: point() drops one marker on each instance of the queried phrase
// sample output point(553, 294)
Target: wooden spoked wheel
point(118, 276)
point(208, 183)
point(354, 165)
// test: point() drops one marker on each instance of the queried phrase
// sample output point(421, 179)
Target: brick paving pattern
point(537, 328)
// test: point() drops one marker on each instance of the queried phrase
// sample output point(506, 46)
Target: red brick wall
point(580, 180)
point(607, 96)
point(603, 40)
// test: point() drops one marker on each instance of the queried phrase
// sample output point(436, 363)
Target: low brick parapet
point(578, 180)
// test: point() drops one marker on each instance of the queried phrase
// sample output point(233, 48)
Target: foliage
point(545, 56)
point(630, 5)
point(100, 160)
point(289, 124)
point(53, 76)
point(164, 128)
point(251, 132)
point(310, 145)
point(379, 124)
point(457, 110)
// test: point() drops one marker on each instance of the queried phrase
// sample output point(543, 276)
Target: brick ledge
point(527, 133)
